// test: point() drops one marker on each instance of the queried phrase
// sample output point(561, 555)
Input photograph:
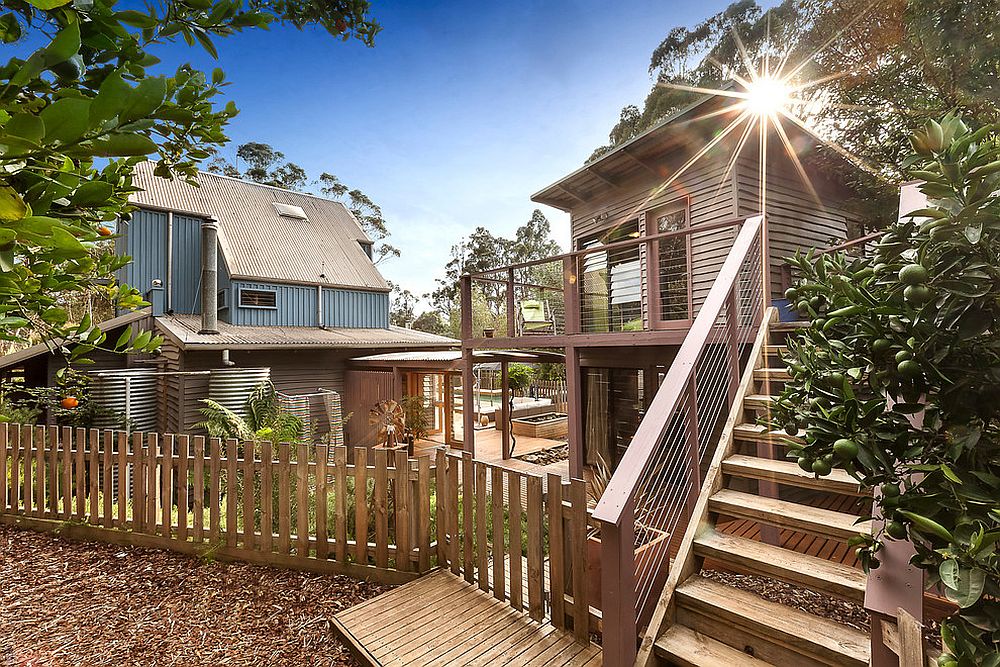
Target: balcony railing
point(656, 282)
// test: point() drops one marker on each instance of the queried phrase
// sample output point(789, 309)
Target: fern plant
point(265, 420)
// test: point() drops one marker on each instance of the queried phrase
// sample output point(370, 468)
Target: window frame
point(258, 290)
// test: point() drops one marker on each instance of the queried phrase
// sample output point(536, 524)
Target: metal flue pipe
point(209, 276)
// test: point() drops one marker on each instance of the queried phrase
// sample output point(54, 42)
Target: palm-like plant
point(265, 420)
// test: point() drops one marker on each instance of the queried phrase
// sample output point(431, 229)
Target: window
point(258, 298)
point(672, 261)
point(611, 288)
point(367, 247)
point(290, 211)
point(223, 299)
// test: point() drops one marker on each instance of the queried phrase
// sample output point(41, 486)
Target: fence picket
point(107, 488)
point(452, 503)
point(361, 505)
point(441, 507)
point(167, 484)
point(536, 607)
point(302, 506)
point(26, 463)
point(578, 552)
point(66, 446)
point(52, 463)
point(39, 441)
point(516, 561)
point(423, 512)
point(322, 530)
point(557, 551)
point(198, 490)
point(284, 499)
point(402, 506)
point(94, 475)
point(266, 497)
point(499, 550)
point(3, 466)
point(14, 445)
point(152, 482)
point(183, 455)
point(138, 484)
point(214, 490)
point(123, 480)
point(482, 548)
point(232, 494)
point(79, 440)
point(381, 510)
point(340, 500)
point(468, 516)
point(249, 496)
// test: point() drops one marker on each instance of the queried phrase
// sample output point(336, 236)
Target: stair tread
point(806, 633)
point(759, 433)
point(685, 646)
point(758, 400)
point(788, 472)
point(818, 574)
point(795, 516)
point(772, 373)
point(789, 326)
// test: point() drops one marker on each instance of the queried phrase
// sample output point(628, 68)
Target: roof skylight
point(290, 211)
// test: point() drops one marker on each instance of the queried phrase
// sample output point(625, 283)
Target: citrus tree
point(77, 114)
point(897, 379)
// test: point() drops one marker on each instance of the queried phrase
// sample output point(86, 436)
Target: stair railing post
point(618, 589)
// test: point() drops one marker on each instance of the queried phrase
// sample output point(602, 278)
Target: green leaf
point(12, 206)
point(206, 43)
point(124, 145)
point(66, 119)
point(145, 99)
point(925, 525)
point(141, 340)
point(48, 4)
point(92, 193)
point(949, 573)
point(26, 126)
point(10, 29)
point(67, 244)
point(123, 339)
point(56, 316)
point(111, 98)
point(64, 45)
point(11, 322)
point(136, 19)
point(970, 587)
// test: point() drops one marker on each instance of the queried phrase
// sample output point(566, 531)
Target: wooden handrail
point(657, 418)
point(850, 243)
point(617, 245)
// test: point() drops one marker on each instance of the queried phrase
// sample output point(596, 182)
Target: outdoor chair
point(536, 318)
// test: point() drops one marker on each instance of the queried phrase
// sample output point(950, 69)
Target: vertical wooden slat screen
point(441, 507)
point(452, 503)
point(496, 494)
point(423, 499)
point(578, 553)
point(482, 550)
point(536, 607)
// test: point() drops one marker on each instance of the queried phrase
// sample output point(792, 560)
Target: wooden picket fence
point(503, 530)
point(290, 505)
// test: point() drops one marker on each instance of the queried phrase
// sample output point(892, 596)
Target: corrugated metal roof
point(257, 242)
point(46, 348)
point(184, 330)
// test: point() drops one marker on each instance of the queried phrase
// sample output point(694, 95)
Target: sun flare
point(768, 96)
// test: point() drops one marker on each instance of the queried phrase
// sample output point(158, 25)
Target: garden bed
point(69, 603)
point(546, 425)
point(547, 456)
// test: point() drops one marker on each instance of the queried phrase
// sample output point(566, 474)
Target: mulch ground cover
point(68, 603)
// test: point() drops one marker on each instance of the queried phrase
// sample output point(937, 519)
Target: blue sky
point(459, 113)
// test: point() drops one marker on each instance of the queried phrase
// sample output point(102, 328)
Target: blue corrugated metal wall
point(350, 308)
point(296, 306)
point(187, 264)
point(146, 242)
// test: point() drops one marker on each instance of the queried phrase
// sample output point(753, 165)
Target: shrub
point(897, 378)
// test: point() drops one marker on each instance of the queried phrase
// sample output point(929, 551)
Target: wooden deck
point(441, 619)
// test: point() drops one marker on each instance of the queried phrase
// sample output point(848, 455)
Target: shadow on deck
point(441, 619)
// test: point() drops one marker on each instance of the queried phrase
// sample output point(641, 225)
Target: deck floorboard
point(441, 619)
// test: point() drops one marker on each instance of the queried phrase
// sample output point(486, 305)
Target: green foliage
point(897, 380)
point(27, 405)
point(78, 113)
point(265, 420)
point(415, 417)
point(520, 376)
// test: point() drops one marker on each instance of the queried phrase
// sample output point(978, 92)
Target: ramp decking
point(441, 619)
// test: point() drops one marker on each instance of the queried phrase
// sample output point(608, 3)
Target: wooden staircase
point(702, 621)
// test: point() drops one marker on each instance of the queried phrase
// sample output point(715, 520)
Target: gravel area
point(544, 457)
point(68, 603)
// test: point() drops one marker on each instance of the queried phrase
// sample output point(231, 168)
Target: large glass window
point(611, 284)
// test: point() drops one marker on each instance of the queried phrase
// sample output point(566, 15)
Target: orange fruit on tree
point(104, 231)
point(69, 402)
